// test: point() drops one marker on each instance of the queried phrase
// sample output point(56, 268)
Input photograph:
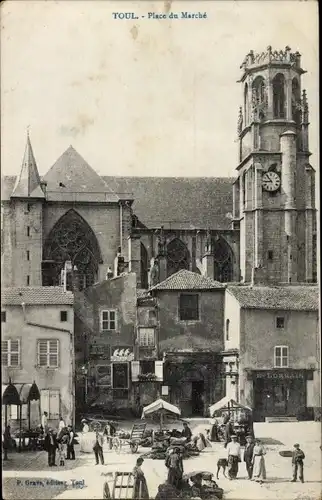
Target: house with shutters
point(37, 346)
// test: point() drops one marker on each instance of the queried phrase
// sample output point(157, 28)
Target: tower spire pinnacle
point(28, 181)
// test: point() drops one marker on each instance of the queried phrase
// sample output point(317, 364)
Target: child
point(62, 450)
point(297, 463)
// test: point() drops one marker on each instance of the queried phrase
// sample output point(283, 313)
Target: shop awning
point(226, 404)
point(10, 395)
point(28, 392)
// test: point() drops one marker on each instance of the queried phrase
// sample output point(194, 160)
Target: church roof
point(28, 181)
point(178, 202)
point(72, 177)
point(187, 280)
point(41, 295)
point(292, 298)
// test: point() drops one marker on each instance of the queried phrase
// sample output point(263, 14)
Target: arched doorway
point(178, 256)
point(71, 239)
point(223, 261)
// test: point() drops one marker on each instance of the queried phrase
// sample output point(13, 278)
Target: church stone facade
point(256, 230)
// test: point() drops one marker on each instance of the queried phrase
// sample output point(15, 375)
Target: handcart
point(133, 441)
point(121, 487)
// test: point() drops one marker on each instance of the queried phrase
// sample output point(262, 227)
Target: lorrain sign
point(280, 375)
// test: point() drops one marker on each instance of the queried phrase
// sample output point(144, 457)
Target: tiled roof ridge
point(204, 281)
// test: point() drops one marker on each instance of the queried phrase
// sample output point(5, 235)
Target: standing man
point(98, 448)
point(233, 450)
point(51, 446)
point(44, 422)
point(248, 456)
point(175, 468)
point(297, 463)
point(70, 444)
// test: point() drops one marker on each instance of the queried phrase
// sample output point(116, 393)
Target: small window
point(189, 307)
point(3, 316)
point(146, 337)
point(48, 353)
point(281, 357)
point(10, 352)
point(120, 375)
point(28, 280)
point(280, 321)
point(108, 320)
point(147, 367)
point(63, 315)
point(270, 254)
point(227, 328)
point(28, 230)
point(28, 255)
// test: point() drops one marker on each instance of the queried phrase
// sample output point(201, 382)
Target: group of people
point(254, 458)
point(61, 440)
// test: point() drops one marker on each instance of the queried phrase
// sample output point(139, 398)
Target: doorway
point(197, 397)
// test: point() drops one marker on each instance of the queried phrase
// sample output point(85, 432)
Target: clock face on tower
point(271, 181)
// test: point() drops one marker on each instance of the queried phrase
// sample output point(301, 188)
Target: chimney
point(134, 245)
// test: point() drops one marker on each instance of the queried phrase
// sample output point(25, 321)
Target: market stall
point(239, 415)
point(9, 397)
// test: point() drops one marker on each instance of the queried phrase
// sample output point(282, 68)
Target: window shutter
point(4, 352)
point(24, 412)
point(135, 370)
point(14, 412)
point(158, 366)
point(44, 400)
point(53, 350)
point(42, 352)
point(54, 404)
point(15, 352)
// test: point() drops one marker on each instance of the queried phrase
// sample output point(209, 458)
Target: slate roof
point(28, 181)
point(178, 202)
point(187, 280)
point(46, 295)
point(292, 298)
point(77, 176)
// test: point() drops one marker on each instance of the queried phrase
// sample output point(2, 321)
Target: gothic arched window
point(296, 101)
point(223, 261)
point(246, 104)
point(144, 267)
point(177, 256)
point(279, 96)
point(259, 89)
point(71, 239)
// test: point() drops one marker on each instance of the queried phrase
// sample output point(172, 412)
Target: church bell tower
point(274, 194)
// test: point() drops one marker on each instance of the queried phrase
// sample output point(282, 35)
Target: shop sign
point(121, 354)
point(280, 375)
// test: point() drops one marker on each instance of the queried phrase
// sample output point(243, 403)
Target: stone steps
point(280, 419)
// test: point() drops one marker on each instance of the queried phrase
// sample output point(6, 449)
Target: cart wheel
point(134, 447)
point(116, 444)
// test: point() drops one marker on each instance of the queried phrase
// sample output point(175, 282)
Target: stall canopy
point(10, 395)
point(158, 406)
point(227, 404)
point(161, 408)
point(28, 392)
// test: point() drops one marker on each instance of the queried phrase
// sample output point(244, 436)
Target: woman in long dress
point(84, 448)
point(259, 469)
point(140, 488)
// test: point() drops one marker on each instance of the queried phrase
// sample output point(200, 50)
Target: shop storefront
point(280, 393)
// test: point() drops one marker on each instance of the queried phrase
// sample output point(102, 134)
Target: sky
point(140, 97)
